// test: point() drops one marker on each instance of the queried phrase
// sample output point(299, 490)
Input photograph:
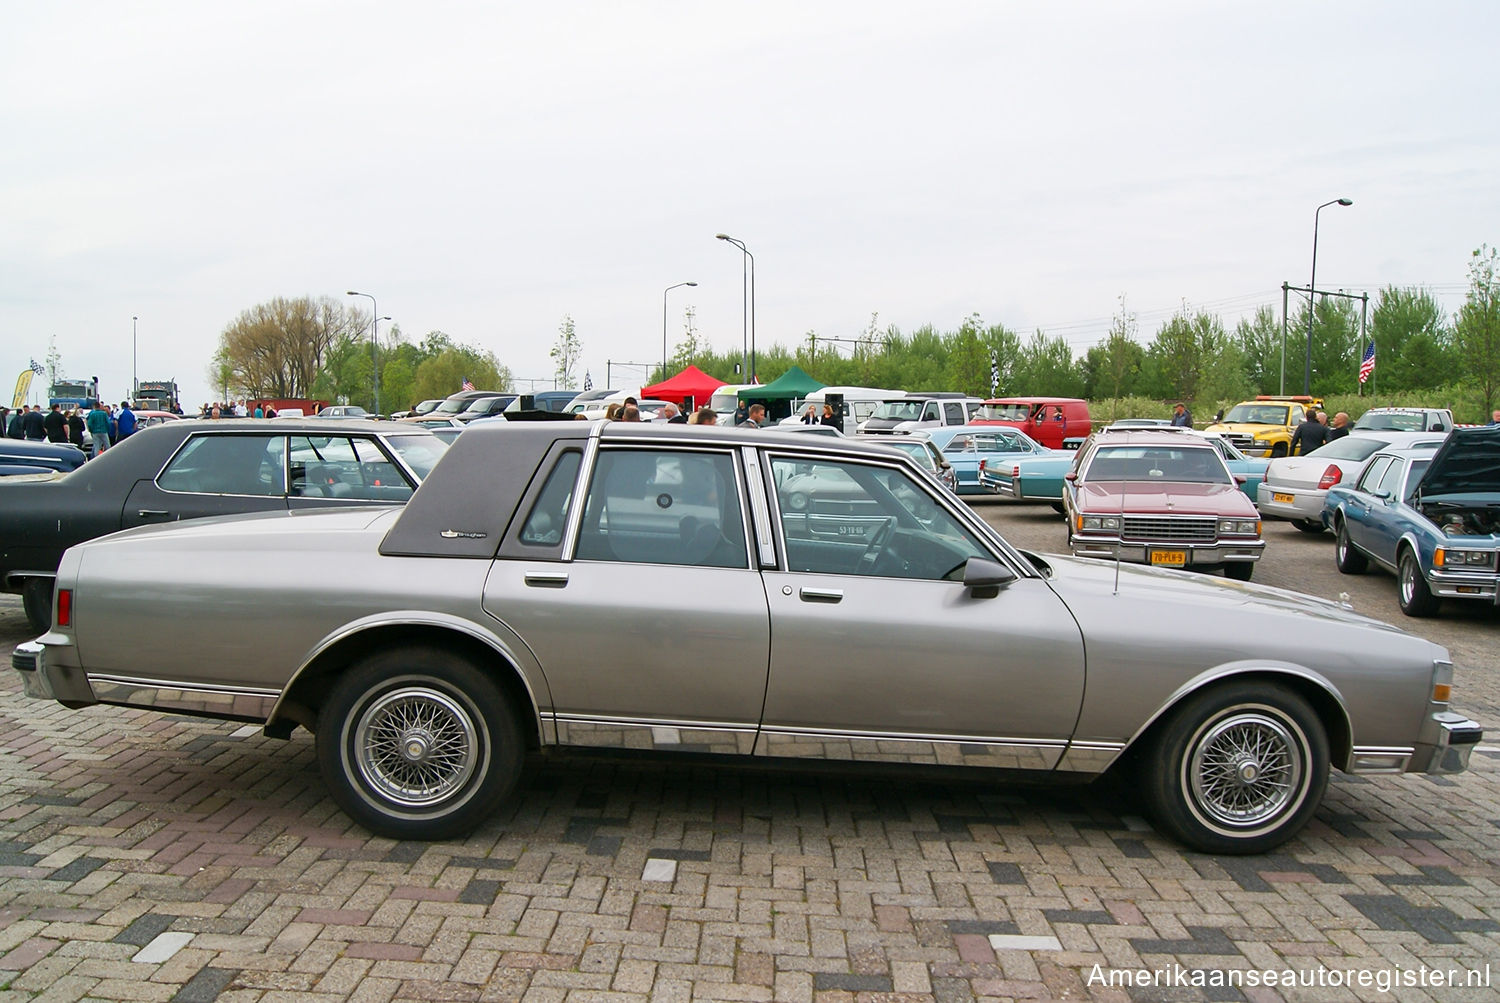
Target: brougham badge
point(459, 534)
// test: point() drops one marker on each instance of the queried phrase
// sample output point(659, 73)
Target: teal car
point(1251, 468)
point(974, 449)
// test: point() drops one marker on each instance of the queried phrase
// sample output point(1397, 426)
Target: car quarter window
point(227, 465)
point(544, 524)
point(841, 517)
point(664, 506)
point(1390, 481)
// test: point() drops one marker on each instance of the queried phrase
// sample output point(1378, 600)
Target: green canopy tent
point(778, 395)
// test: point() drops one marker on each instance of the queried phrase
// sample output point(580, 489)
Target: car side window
point(660, 506)
point(227, 465)
point(337, 466)
point(544, 526)
point(845, 518)
point(1390, 481)
point(1371, 477)
point(954, 413)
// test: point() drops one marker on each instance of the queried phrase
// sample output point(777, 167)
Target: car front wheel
point(1240, 571)
point(1411, 587)
point(1345, 557)
point(418, 743)
point(1238, 768)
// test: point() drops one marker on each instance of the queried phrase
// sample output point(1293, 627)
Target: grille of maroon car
point(1182, 529)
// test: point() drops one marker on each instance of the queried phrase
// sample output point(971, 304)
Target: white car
point(1294, 486)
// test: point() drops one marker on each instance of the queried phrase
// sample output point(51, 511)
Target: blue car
point(972, 450)
point(27, 456)
point(1430, 516)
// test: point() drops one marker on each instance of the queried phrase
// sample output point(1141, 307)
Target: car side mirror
point(1071, 475)
point(1241, 479)
point(985, 578)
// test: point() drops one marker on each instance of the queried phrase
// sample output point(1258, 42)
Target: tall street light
point(664, 324)
point(374, 344)
point(750, 258)
point(135, 383)
point(1312, 294)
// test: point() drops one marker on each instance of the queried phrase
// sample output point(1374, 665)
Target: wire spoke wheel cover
point(417, 746)
point(1245, 769)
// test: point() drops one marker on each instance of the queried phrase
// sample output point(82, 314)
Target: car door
point(1360, 505)
point(212, 474)
point(1387, 518)
point(641, 607)
point(878, 652)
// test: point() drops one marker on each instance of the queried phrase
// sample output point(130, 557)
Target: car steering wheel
point(876, 546)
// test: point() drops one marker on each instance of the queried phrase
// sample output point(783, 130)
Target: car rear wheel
point(1238, 768)
point(418, 743)
point(1240, 571)
point(1345, 557)
point(1308, 525)
point(1411, 587)
point(36, 599)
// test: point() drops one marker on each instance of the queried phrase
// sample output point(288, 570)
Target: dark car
point(26, 456)
point(189, 469)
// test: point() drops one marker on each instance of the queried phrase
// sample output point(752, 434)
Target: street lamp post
point(664, 324)
point(750, 258)
point(1312, 294)
point(374, 345)
point(135, 382)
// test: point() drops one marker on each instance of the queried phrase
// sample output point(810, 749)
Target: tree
point(277, 349)
point(1263, 349)
point(1046, 367)
point(445, 372)
point(1176, 355)
point(566, 351)
point(1411, 341)
point(1477, 328)
point(1112, 368)
point(968, 361)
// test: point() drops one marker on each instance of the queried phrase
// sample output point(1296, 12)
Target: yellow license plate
point(1283, 498)
point(1169, 558)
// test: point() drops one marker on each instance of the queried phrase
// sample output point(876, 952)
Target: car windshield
point(899, 410)
point(917, 450)
point(1195, 464)
point(1258, 414)
point(1394, 421)
point(452, 406)
point(481, 405)
point(1352, 447)
point(420, 452)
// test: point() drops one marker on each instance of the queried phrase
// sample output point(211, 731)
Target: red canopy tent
point(691, 382)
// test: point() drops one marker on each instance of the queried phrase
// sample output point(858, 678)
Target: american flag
point(588, 381)
point(468, 384)
point(1367, 364)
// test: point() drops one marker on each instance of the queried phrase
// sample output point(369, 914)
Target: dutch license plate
point(1169, 558)
point(1285, 499)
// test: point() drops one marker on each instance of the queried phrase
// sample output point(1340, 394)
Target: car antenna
point(1122, 534)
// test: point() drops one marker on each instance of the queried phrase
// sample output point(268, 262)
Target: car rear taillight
point(64, 607)
point(982, 464)
point(1330, 477)
point(1015, 471)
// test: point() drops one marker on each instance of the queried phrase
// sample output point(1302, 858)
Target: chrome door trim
point(593, 731)
point(760, 507)
point(580, 481)
point(1090, 757)
point(240, 703)
point(925, 750)
point(1367, 759)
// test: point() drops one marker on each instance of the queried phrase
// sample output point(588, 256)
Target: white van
point(859, 404)
point(726, 400)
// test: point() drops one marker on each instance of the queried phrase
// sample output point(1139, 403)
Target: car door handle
point(148, 512)
point(547, 579)
point(821, 595)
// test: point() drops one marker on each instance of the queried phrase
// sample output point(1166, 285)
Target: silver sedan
point(1295, 486)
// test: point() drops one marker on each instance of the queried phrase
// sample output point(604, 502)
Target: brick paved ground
point(151, 858)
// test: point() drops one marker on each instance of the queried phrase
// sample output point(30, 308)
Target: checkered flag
point(994, 374)
point(36, 367)
point(588, 381)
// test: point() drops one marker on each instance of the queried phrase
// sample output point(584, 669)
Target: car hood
point(1468, 462)
point(1177, 498)
point(1250, 428)
point(1237, 611)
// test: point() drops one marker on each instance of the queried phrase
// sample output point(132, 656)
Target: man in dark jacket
point(34, 426)
point(13, 425)
point(1311, 434)
point(75, 428)
point(56, 425)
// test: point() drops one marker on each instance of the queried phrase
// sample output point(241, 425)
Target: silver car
point(695, 590)
point(1295, 486)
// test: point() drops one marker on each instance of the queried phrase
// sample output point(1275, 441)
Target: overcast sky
point(485, 169)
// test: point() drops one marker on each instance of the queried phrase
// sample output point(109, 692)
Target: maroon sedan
point(1161, 497)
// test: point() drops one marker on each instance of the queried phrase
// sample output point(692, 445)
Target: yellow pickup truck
point(1264, 426)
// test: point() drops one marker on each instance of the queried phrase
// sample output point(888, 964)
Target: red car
point(1161, 497)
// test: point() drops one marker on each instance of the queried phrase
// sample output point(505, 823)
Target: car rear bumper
point(1293, 503)
point(44, 678)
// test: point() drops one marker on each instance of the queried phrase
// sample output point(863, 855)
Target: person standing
point(56, 425)
point(810, 416)
point(1181, 416)
point(75, 427)
point(829, 418)
point(34, 426)
point(755, 417)
point(1311, 434)
point(125, 422)
point(1340, 426)
point(97, 423)
point(16, 427)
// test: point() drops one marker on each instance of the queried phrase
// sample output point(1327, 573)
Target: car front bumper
point(1165, 554)
point(1476, 584)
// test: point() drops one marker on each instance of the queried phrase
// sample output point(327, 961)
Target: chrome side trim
point(1379, 759)
point(662, 736)
point(760, 507)
point(575, 509)
point(1090, 757)
point(207, 700)
point(923, 750)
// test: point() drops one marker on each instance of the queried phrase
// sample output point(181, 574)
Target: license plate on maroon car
point(1169, 558)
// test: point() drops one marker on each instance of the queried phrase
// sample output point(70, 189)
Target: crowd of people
point(104, 425)
point(235, 409)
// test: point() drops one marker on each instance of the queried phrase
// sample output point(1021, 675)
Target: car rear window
point(1353, 447)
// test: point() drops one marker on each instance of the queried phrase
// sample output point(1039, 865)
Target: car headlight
point(1463, 558)
point(1239, 527)
point(1098, 523)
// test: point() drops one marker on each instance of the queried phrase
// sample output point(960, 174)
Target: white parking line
point(1017, 942)
point(658, 869)
point(162, 948)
